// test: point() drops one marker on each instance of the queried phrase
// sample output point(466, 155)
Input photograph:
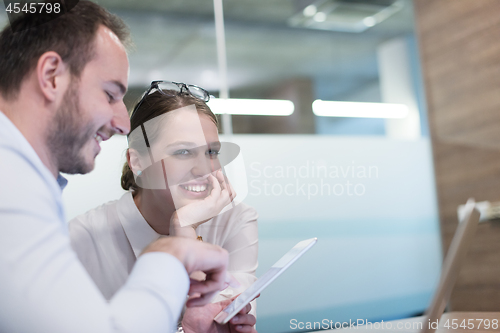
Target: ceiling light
point(320, 17)
point(359, 110)
point(310, 10)
point(369, 21)
point(258, 107)
point(345, 15)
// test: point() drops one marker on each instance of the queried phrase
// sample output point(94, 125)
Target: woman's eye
point(213, 153)
point(181, 152)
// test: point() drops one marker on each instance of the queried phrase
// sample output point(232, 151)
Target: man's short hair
point(71, 35)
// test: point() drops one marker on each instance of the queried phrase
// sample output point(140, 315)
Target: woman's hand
point(189, 217)
point(201, 319)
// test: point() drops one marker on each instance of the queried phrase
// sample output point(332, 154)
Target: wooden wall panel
point(460, 53)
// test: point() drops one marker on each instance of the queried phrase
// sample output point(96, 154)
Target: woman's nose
point(204, 165)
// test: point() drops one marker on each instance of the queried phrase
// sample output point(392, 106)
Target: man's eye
point(110, 97)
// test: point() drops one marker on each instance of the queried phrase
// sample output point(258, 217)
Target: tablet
point(256, 288)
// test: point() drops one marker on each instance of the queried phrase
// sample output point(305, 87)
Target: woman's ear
point(134, 162)
point(53, 76)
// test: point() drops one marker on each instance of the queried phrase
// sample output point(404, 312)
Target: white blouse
point(109, 238)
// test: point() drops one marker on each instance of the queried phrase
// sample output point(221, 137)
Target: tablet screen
point(279, 267)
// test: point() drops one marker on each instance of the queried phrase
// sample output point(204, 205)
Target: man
point(61, 93)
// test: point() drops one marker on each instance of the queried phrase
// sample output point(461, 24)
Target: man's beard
point(69, 133)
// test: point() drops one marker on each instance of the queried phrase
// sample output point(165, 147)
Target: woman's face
point(186, 149)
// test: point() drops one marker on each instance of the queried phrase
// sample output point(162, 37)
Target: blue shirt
point(43, 286)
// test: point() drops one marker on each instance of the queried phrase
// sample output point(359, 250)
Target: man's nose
point(121, 122)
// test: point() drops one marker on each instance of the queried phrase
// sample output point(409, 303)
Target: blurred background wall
point(459, 42)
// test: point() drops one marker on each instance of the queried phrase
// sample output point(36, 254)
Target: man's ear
point(134, 161)
point(53, 75)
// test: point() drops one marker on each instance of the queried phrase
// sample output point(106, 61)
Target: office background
point(380, 249)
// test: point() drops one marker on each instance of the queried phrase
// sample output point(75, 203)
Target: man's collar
point(62, 181)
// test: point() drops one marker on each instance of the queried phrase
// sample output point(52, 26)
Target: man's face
point(92, 109)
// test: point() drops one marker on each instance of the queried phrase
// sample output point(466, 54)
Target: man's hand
point(201, 319)
point(198, 256)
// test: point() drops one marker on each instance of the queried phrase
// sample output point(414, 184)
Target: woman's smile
point(195, 190)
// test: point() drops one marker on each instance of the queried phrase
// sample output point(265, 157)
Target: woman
point(176, 188)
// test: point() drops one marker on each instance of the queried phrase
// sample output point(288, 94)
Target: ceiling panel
point(175, 40)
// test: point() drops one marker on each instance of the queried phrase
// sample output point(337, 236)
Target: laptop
point(468, 220)
point(451, 266)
